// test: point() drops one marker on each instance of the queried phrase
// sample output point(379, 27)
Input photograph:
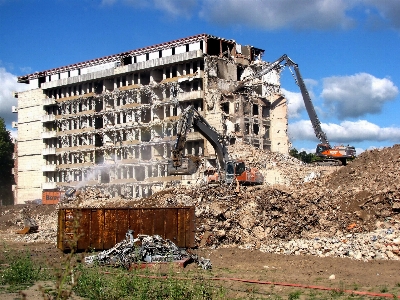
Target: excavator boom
point(324, 149)
point(229, 170)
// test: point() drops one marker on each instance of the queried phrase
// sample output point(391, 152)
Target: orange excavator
point(229, 170)
point(328, 155)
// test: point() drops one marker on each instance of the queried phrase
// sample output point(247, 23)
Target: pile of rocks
point(379, 244)
point(92, 197)
point(277, 168)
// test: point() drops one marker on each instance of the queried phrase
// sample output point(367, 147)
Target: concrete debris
point(350, 211)
point(145, 248)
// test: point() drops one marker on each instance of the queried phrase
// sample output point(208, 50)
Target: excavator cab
point(230, 172)
point(188, 166)
point(321, 148)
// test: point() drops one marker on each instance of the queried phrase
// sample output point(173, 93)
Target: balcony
point(49, 134)
point(49, 168)
point(48, 101)
point(49, 151)
point(48, 118)
point(185, 96)
point(49, 185)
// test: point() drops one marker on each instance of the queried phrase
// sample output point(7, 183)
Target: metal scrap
point(146, 249)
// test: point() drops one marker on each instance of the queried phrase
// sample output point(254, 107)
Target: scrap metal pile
point(145, 249)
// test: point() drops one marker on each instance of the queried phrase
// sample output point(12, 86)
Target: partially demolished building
point(111, 121)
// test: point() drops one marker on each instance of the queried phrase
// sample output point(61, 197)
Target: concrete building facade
point(111, 121)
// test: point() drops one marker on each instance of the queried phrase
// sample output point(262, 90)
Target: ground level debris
point(145, 249)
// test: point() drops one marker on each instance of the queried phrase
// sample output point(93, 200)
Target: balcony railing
point(48, 101)
point(48, 118)
point(49, 168)
point(49, 151)
point(49, 134)
point(49, 185)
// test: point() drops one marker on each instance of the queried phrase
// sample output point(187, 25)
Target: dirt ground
point(375, 276)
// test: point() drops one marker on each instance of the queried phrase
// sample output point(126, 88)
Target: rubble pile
point(93, 197)
point(290, 170)
point(353, 199)
point(365, 191)
point(338, 214)
point(45, 219)
point(383, 243)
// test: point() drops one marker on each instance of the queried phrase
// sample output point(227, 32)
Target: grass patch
point(93, 283)
point(294, 295)
point(383, 289)
point(20, 272)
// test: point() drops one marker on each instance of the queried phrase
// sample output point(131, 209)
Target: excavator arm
point(191, 118)
point(316, 124)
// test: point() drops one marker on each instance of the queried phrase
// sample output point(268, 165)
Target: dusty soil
point(350, 274)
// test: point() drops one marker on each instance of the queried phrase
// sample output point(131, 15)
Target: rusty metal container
point(51, 197)
point(102, 228)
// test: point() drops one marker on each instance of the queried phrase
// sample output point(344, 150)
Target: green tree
point(6, 165)
point(303, 155)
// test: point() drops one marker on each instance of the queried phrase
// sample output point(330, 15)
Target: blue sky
point(347, 50)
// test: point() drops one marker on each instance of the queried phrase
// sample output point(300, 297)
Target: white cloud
point(170, 7)
point(345, 132)
point(176, 7)
point(272, 14)
point(357, 95)
point(295, 99)
point(8, 84)
point(295, 104)
point(388, 11)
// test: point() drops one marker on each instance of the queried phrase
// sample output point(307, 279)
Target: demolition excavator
point(229, 170)
point(328, 155)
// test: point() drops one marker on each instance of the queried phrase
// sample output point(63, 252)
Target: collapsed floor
point(353, 211)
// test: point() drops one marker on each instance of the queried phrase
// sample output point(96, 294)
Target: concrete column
point(179, 70)
point(140, 192)
point(191, 67)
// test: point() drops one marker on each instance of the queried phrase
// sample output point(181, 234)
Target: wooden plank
point(96, 228)
point(83, 218)
point(171, 224)
point(60, 229)
point(180, 241)
point(192, 228)
point(110, 226)
point(158, 222)
point(135, 222)
point(122, 223)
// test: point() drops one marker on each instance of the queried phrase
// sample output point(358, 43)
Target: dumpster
point(82, 229)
